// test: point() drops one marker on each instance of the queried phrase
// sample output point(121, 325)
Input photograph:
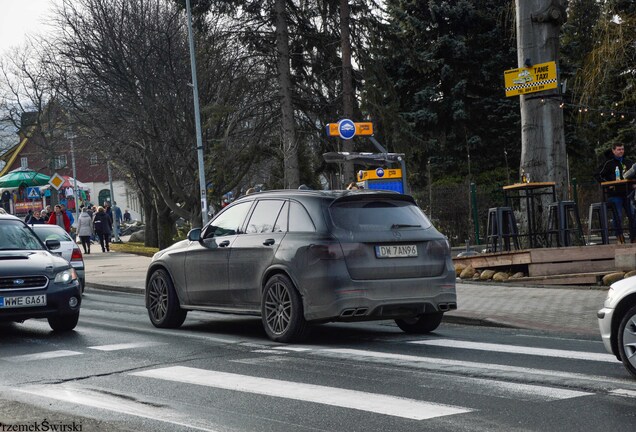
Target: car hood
point(619, 290)
point(17, 263)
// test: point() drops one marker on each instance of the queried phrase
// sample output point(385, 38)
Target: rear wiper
point(405, 226)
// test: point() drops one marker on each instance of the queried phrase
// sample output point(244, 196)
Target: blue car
point(35, 283)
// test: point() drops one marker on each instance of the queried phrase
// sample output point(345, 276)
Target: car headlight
point(66, 276)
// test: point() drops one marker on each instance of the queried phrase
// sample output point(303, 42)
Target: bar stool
point(564, 220)
point(598, 213)
point(501, 228)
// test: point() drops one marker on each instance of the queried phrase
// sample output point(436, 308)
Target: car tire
point(627, 340)
point(282, 311)
point(420, 324)
point(64, 323)
point(164, 309)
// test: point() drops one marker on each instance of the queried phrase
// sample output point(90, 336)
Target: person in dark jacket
point(615, 168)
point(102, 224)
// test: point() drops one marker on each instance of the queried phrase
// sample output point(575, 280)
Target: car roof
point(317, 193)
point(8, 217)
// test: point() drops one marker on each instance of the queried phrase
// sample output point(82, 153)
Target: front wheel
point(420, 324)
point(164, 309)
point(282, 311)
point(627, 340)
point(64, 323)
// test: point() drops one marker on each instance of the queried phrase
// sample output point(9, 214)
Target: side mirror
point(52, 244)
point(194, 234)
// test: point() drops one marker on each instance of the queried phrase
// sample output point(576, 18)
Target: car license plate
point(23, 301)
point(397, 251)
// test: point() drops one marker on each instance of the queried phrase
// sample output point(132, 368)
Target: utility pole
point(197, 119)
point(71, 137)
point(112, 202)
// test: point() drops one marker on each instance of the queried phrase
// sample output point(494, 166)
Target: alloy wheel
point(278, 308)
point(158, 296)
point(629, 340)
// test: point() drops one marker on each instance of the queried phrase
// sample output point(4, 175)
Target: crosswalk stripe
point(624, 392)
point(512, 349)
point(86, 397)
point(124, 346)
point(364, 401)
point(436, 363)
point(41, 356)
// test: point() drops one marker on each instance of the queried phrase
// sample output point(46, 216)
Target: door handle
point(224, 243)
point(269, 242)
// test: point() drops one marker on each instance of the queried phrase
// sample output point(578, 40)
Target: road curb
point(105, 287)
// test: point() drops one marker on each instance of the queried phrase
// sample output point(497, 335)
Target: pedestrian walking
point(60, 218)
point(85, 229)
point(102, 224)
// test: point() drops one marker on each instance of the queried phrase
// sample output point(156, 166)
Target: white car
point(617, 321)
point(69, 250)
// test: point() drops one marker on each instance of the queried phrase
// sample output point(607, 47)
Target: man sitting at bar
point(615, 168)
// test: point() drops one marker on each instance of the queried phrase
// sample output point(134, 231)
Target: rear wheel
point(64, 323)
point(627, 340)
point(282, 311)
point(164, 309)
point(421, 323)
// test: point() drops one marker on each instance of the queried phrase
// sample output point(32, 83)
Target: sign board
point(359, 129)
point(24, 207)
point(532, 79)
point(33, 192)
point(56, 181)
point(379, 174)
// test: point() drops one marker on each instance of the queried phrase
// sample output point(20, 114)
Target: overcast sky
point(21, 17)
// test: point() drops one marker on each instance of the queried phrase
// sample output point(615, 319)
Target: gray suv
point(34, 283)
point(305, 257)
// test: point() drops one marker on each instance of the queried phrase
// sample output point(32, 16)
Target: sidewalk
point(557, 309)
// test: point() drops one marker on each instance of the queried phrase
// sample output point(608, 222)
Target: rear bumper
point(338, 298)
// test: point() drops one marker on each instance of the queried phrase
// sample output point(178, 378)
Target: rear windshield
point(15, 235)
point(377, 215)
point(52, 234)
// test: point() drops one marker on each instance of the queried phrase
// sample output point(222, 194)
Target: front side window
point(228, 222)
point(264, 216)
point(15, 235)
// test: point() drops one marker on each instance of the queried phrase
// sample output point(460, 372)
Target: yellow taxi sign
point(532, 79)
point(56, 181)
point(380, 174)
point(361, 129)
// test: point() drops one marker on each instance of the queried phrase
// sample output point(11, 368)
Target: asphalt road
point(221, 373)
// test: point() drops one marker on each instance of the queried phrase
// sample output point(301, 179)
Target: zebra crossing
point(493, 380)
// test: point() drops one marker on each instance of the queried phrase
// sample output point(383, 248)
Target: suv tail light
point(76, 255)
point(326, 251)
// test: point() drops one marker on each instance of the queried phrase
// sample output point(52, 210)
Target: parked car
point(299, 257)
point(617, 321)
point(69, 250)
point(34, 283)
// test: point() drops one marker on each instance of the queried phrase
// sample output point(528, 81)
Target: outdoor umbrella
point(20, 176)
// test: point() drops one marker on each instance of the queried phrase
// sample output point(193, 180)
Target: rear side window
point(299, 219)
point(377, 215)
point(264, 216)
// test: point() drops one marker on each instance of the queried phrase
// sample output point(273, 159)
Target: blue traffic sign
point(33, 192)
point(346, 129)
